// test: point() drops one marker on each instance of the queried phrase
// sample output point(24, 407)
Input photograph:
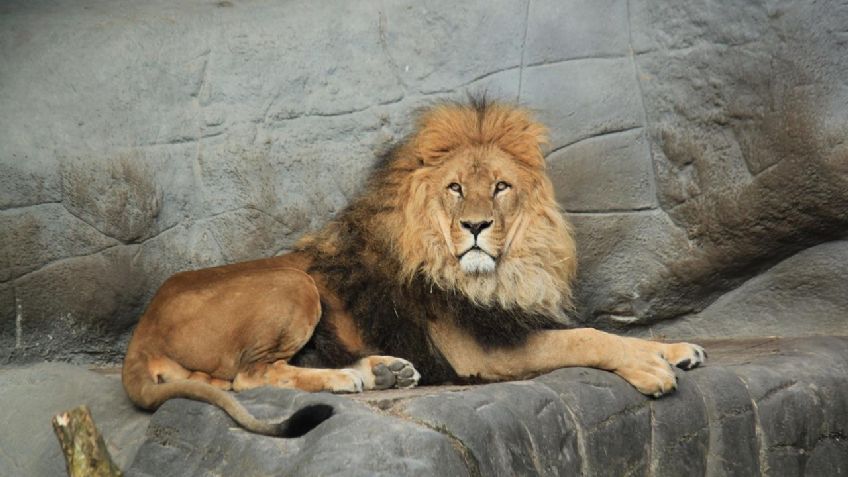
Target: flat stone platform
point(764, 406)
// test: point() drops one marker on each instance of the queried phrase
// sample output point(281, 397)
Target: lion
point(455, 264)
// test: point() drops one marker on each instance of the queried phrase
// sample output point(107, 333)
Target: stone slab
point(612, 172)
point(760, 406)
point(518, 428)
point(560, 30)
point(583, 98)
point(191, 438)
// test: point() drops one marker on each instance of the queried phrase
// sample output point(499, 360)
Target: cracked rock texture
point(759, 407)
point(768, 406)
point(698, 148)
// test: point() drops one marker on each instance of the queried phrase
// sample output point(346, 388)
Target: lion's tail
point(145, 392)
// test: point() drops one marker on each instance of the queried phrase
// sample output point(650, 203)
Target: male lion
point(455, 258)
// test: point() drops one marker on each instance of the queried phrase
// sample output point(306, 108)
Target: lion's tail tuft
point(304, 420)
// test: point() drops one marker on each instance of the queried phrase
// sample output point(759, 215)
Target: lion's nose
point(476, 227)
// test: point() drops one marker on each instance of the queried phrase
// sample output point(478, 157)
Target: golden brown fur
point(456, 258)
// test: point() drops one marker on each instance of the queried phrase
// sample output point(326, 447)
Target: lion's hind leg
point(383, 372)
point(167, 370)
point(206, 378)
point(283, 375)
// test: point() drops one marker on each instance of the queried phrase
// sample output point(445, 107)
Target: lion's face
point(480, 198)
point(475, 211)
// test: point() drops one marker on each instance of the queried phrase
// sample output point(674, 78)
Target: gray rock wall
point(695, 145)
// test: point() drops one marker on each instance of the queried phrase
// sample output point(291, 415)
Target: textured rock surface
point(806, 292)
point(694, 145)
point(745, 119)
point(190, 438)
point(760, 407)
point(763, 406)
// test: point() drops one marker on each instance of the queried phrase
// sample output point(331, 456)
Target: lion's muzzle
point(476, 260)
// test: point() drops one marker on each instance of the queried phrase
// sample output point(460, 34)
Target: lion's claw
point(685, 356)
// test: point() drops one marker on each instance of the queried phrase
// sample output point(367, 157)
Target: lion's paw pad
point(399, 373)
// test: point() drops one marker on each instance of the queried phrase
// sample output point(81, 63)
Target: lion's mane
point(387, 259)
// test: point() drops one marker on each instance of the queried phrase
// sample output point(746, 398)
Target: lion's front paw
point(685, 355)
point(647, 365)
point(649, 373)
point(383, 372)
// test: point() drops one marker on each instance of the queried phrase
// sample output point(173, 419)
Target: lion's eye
point(501, 186)
point(455, 187)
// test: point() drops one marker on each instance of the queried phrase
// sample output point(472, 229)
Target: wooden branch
point(83, 446)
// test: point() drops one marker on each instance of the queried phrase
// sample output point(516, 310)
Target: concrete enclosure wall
point(698, 147)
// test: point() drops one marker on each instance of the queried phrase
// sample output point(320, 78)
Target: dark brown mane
point(393, 316)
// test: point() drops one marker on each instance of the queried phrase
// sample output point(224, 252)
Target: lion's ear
point(515, 131)
point(441, 130)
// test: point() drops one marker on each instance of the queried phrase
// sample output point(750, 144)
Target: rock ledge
point(769, 406)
